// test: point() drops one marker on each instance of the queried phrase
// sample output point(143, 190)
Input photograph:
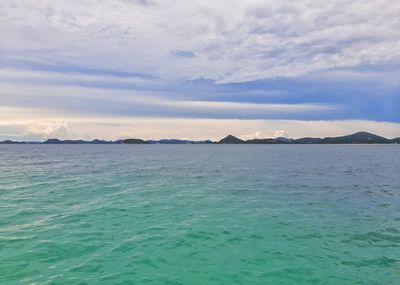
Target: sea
point(200, 214)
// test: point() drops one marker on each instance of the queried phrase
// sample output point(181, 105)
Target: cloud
point(237, 106)
point(38, 91)
point(58, 129)
point(222, 61)
point(255, 135)
point(263, 135)
point(227, 41)
point(37, 124)
point(37, 130)
point(280, 134)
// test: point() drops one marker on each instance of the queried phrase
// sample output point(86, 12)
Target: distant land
point(357, 138)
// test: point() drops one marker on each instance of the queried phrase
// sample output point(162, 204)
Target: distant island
point(357, 138)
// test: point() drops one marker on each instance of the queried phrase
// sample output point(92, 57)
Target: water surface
point(200, 214)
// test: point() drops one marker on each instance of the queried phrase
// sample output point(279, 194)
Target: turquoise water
point(199, 214)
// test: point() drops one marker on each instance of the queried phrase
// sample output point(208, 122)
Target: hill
point(356, 138)
point(360, 138)
point(134, 141)
point(231, 140)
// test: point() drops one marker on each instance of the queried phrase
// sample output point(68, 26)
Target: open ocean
point(200, 214)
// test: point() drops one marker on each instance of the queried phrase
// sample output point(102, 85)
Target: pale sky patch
point(41, 124)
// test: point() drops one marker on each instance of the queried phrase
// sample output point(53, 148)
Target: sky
point(198, 69)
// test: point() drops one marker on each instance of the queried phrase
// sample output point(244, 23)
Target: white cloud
point(263, 135)
point(37, 130)
point(280, 134)
point(237, 106)
point(224, 40)
point(255, 135)
point(58, 129)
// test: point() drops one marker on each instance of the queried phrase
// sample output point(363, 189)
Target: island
point(356, 138)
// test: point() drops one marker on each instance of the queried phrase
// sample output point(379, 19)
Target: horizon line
point(279, 138)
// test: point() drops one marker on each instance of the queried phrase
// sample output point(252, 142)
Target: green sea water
point(200, 214)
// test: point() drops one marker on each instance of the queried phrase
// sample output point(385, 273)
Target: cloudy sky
point(198, 69)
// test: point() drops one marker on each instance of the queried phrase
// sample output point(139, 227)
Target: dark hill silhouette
point(263, 141)
point(134, 141)
point(357, 138)
point(307, 140)
point(395, 140)
point(231, 140)
point(177, 141)
point(11, 142)
point(360, 137)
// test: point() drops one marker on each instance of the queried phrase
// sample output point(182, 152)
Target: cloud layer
point(224, 41)
point(257, 68)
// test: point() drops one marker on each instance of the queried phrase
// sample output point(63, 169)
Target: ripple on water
point(199, 215)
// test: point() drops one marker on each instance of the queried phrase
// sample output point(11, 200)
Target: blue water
point(200, 214)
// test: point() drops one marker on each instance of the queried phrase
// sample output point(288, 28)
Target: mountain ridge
point(356, 138)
